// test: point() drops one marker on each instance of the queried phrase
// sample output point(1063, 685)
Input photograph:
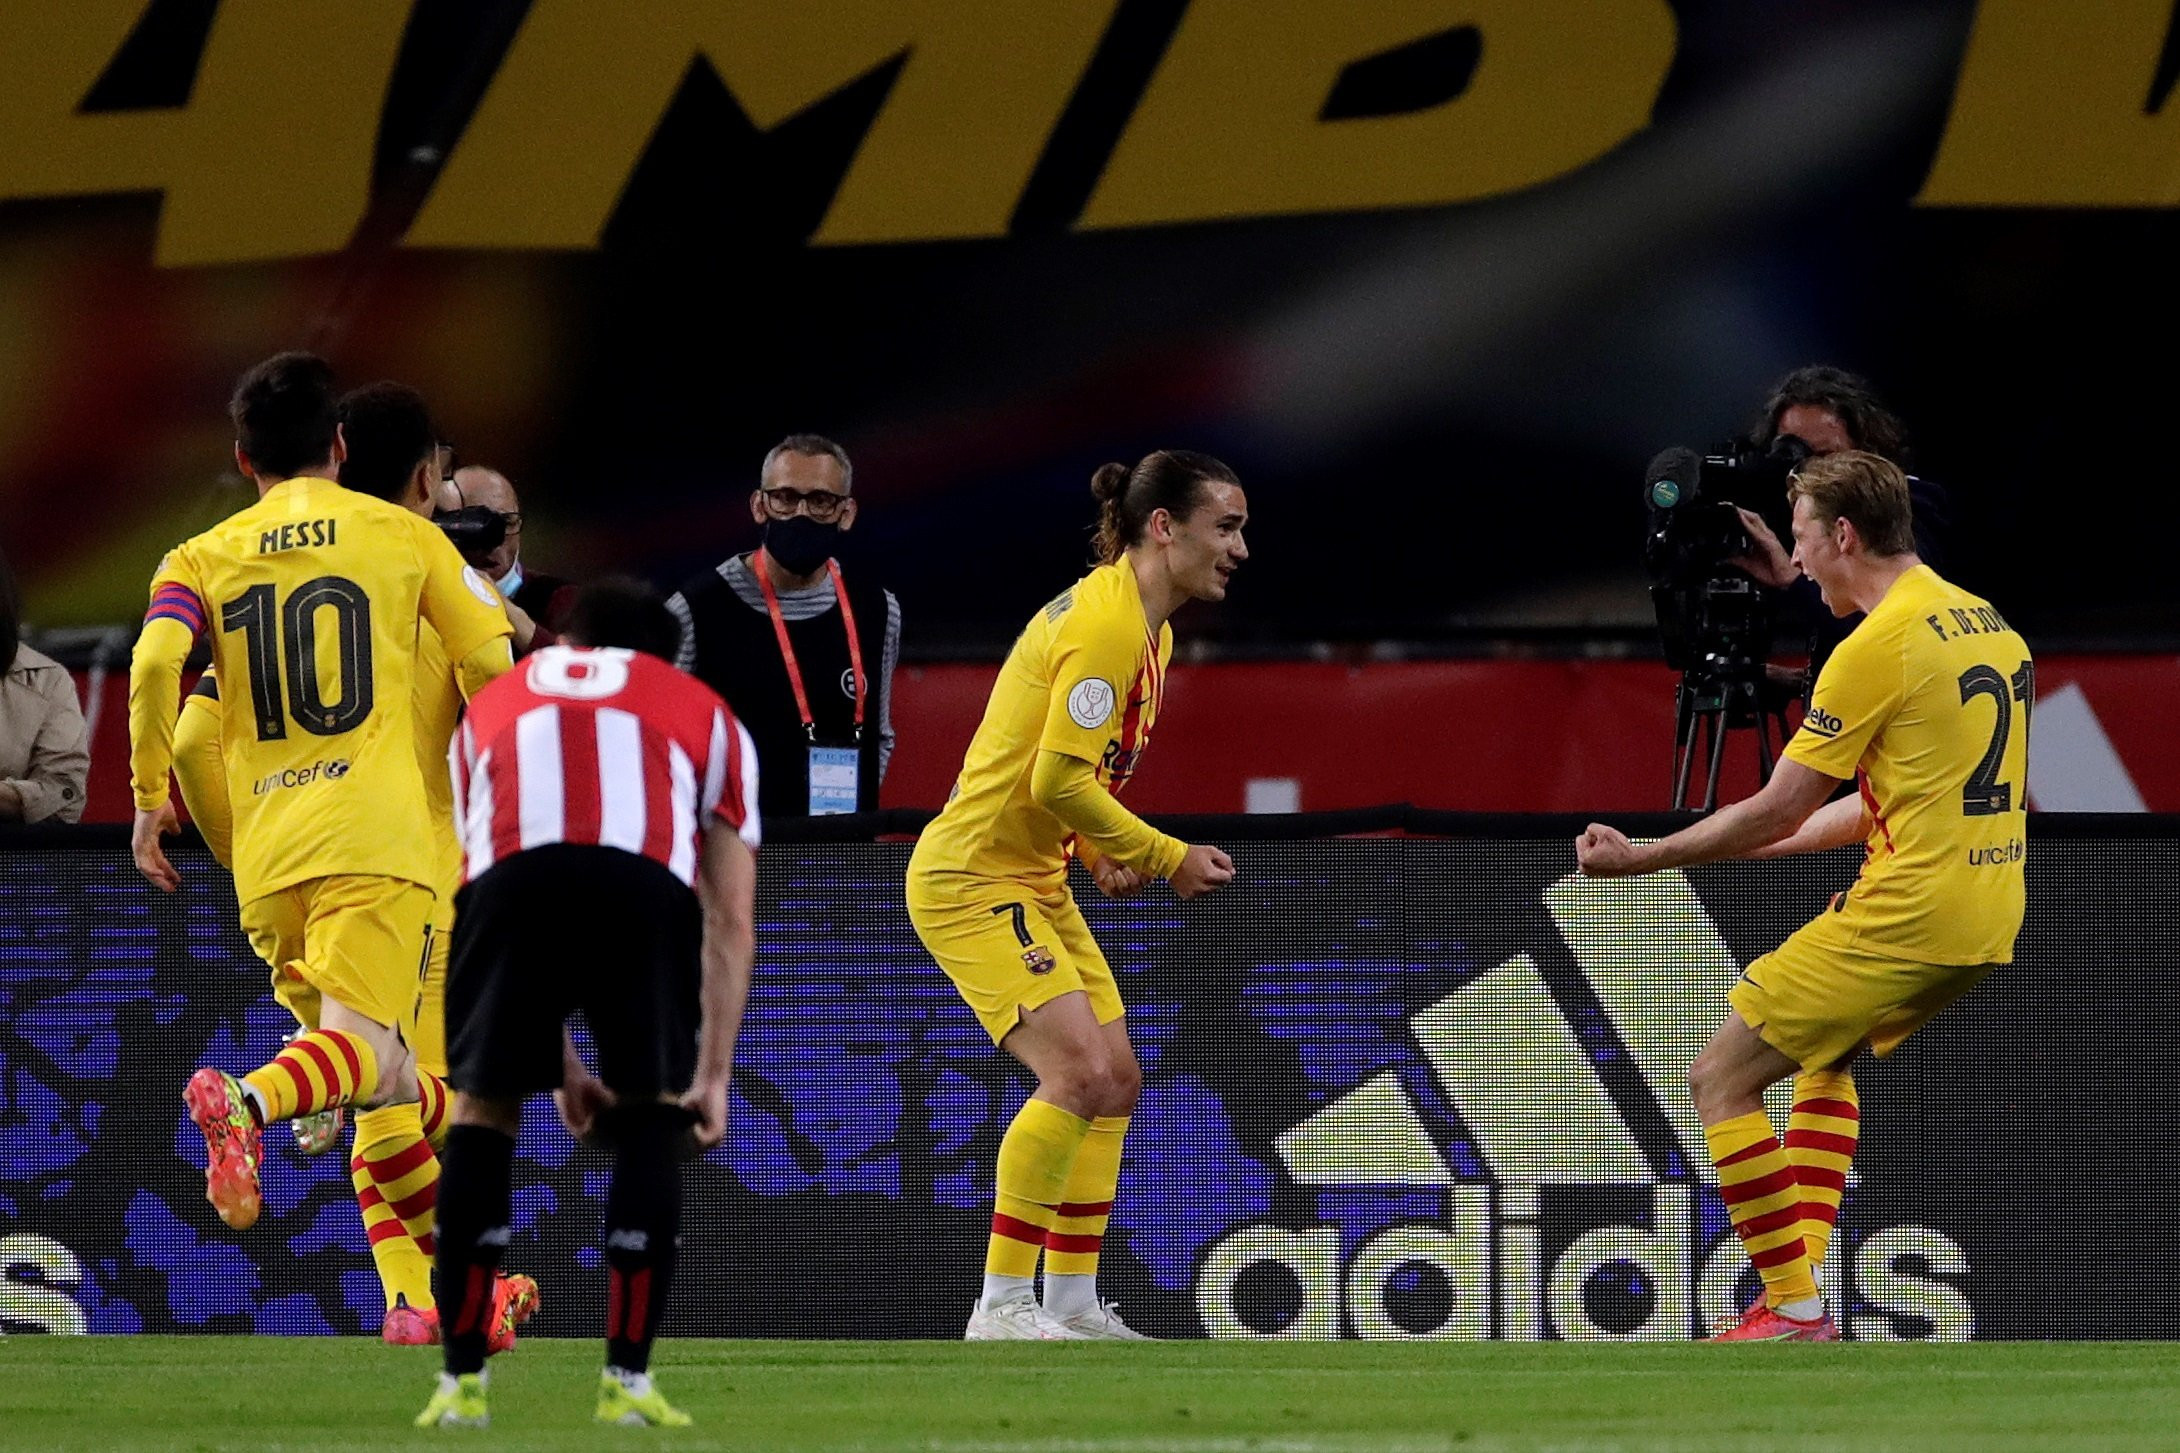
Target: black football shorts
point(564, 929)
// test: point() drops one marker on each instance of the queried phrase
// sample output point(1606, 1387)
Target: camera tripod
point(1722, 694)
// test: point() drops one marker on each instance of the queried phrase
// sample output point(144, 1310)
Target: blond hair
point(1866, 490)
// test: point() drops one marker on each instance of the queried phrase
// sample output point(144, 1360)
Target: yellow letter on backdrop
point(1230, 128)
point(2050, 110)
point(272, 155)
point(584, 86)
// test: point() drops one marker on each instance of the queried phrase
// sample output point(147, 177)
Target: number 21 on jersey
point(1984, 795)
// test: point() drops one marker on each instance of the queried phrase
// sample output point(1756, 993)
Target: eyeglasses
point(821, 505)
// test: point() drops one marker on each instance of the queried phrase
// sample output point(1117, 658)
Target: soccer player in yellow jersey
point(987, 886)
point(391, 454)
point(314, 599)
point(1926, 704)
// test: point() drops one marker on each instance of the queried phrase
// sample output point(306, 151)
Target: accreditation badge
point(833, 776)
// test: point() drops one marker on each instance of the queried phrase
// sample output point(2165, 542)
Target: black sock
point(474, 1172)
point(643, 1229)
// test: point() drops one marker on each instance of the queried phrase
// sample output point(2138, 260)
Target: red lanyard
point(763, 573)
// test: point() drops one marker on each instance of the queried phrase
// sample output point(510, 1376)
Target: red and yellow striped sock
point(316, 1071)
point(1765, 1201)
point(432, 1100)
point(1035, 1157)
point(1821, 1135)
point(397, 1187)
point(1078, 1222)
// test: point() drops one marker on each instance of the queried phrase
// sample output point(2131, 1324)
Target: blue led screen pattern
point(1393, 1087)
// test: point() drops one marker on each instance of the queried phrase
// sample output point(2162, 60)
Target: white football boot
point(1100, 1324)
point(1017, 1319)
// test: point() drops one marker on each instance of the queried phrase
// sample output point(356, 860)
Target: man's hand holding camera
point(1766, 561)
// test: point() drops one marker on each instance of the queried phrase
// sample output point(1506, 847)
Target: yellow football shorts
point(1819, 995)
point(352, 938)
point(1009, 949)
point(429, 1034)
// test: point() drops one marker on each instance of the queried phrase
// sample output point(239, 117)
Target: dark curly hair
point(1873, 428)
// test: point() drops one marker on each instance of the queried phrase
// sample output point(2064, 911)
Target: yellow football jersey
point(438, 714)
point(314, 599)
point(1085, 678)
point(203, 780)
point(1927, 702)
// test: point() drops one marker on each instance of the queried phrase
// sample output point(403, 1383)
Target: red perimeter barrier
point(1480, 736)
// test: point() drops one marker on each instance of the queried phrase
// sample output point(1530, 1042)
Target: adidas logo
point(1574, 1203)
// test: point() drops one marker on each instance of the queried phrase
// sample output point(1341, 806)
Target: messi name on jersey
point(296, 535)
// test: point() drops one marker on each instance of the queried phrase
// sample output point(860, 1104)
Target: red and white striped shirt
point(607, 747)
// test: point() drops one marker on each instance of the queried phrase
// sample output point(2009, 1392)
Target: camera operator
point(1830, 411)
point(546, 597)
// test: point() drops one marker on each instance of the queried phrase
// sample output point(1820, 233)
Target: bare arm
point(1772, 816)
point(726, 888)
point(1834, 825)
point(582, 1096)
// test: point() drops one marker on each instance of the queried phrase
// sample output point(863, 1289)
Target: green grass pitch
point(324, 1395)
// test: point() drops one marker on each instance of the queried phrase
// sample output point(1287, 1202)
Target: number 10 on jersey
point(281, 638)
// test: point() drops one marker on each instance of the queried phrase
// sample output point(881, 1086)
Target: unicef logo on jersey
point(320, 771)
point(1090, 704)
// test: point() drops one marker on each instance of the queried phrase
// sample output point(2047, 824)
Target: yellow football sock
point(1820, 1142)
point(314, 1072)
point(1035, 1157)
point(1078, 1222)
point(1765, 1201)
point(432, 1099)
point(397, 1187)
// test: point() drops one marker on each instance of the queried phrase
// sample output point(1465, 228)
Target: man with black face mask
point(803, 652)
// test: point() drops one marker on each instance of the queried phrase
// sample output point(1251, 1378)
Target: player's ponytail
point(1110, 487)
point(1171, 480)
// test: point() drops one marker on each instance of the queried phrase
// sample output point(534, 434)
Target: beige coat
point(44, 748)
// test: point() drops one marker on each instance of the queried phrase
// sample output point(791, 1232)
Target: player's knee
point(1703, 1084)
point(1123, 1086)
point(1716, 1087)
point(1111, 1085)
point(396, 1072)
point(1081, 1084)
